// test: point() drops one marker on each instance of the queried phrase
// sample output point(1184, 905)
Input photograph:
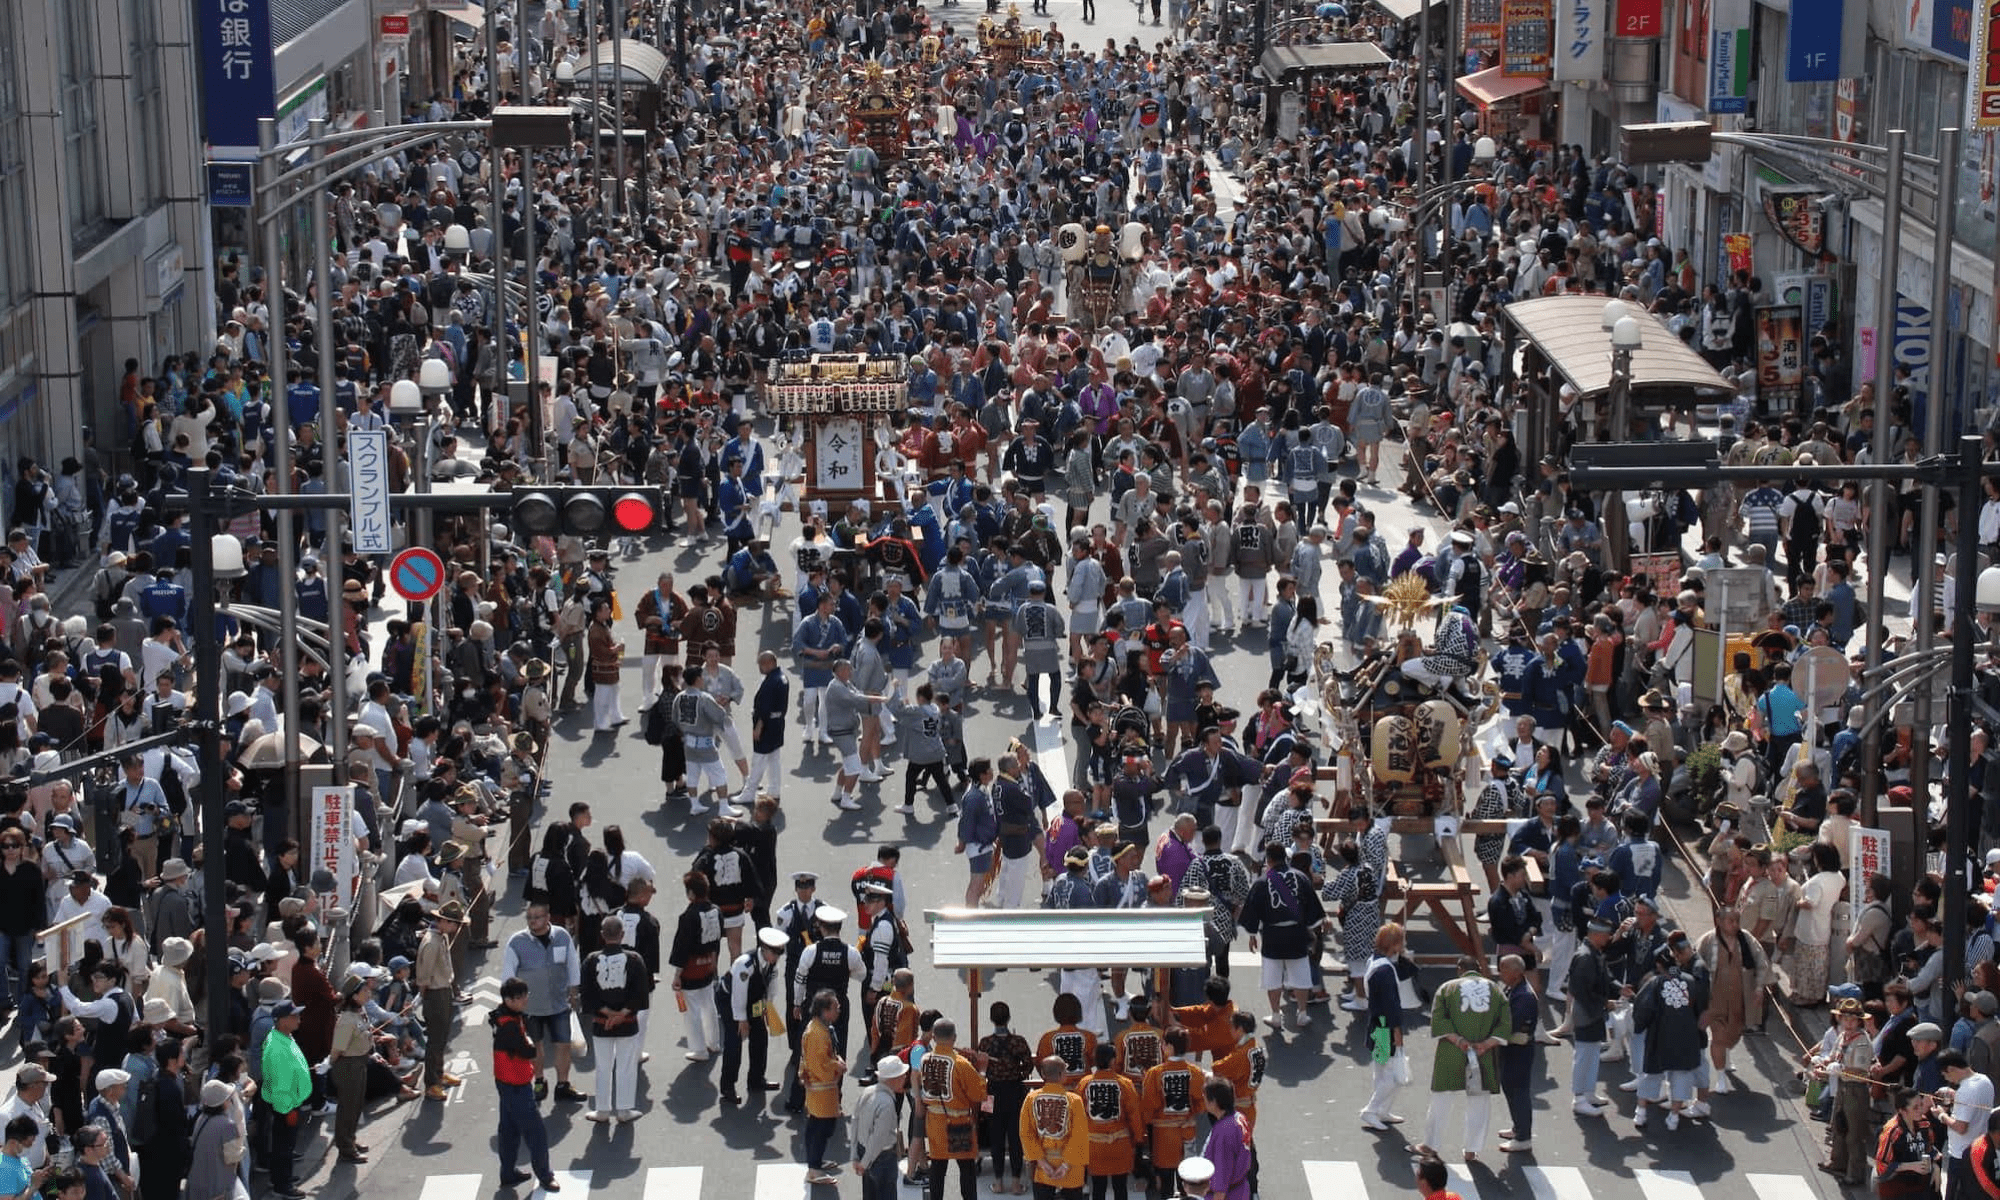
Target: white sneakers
point(869, 776)
point(1587, 1106)
point(1674, 1119)
point(1630, 1085)
point(1640, 1116)
point(696, 808)
point(1517, 1145)
point(847, 804)
point(908, 810)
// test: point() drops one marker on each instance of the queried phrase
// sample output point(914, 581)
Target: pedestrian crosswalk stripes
point(1053, 758)
point(1556, 1183)
point(1493, 1178)
point(1334, 1180)
point(673, 1183)
point(1666, 1185)
point(451, 1187)
point(572, 1183)
point(780, 1181)
point(1780, 1187)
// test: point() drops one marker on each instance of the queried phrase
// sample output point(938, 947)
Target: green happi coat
point(1475, 1008)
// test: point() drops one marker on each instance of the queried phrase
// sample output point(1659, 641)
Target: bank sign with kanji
point(239, 85)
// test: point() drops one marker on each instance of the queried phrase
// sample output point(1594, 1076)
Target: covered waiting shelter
point(975, 940)
point(1568, 346)
point(1280, 63)
point(643, 65)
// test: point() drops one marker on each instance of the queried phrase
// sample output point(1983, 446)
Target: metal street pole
point(208, 731)
point(270, 216)
point(532, 318)
point(1881, 453)
point(496, 168)
point(329, 440)
point(1420, 147)
point(596, 105)
point(1935, 404)
point(618, 101)
point(1959, 809)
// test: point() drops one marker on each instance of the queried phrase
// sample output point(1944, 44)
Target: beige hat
point(175, 951)
point(174, 868)
point(215, 1093)
point(158, 1011)
point(1737, 742)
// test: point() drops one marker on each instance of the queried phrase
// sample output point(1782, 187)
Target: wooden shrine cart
point(837, 404)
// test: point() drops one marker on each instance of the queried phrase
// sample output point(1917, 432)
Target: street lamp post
point(1921, 562)
point(1881, 453)
point(1627, 339)
point(330, 463)
point(267, 214)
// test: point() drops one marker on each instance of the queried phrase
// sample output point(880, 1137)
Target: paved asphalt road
point(688, 1147)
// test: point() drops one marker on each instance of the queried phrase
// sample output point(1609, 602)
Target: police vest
point(828, 971)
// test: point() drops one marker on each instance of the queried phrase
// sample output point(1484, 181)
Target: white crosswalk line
point(1666, 1185)
point(781, 1181)
point(572, 1183)
point(1053, 758)
point(1462, 1181)
point(673, 1183)
point(1781, 1187)
point(1556, 1183)
point(451, 1187)
point(1334, 1180)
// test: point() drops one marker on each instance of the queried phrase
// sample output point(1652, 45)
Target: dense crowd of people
point(1106, 509)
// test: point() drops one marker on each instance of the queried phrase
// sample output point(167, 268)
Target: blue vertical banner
point(1729, 56)
point(238, 83)
point(1827, 44)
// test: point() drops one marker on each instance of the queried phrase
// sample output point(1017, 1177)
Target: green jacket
point(287, 1077)
point(1476, 1009)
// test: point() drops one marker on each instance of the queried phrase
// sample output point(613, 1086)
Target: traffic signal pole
point(1963, 470)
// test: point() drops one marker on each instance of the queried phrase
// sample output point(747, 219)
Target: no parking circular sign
point(416, 574)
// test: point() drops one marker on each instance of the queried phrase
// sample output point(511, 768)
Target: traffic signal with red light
point(589, 511)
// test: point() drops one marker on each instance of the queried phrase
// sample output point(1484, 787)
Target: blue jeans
point(879, 1182)
point(1583, 1071)
point(521, 1122)
point(17, 953)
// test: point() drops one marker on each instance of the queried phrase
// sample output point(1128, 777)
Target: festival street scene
point(910, 599)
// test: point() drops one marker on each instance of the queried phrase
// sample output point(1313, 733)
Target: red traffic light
point(634, 513)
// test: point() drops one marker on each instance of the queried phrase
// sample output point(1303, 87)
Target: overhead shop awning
point(1281, 61)
point(472, 16)
point(644, 66)
point(1490, 85)
point(1569, 332)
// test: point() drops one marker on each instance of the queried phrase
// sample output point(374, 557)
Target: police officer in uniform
point(830, 965)
point(884, 946)
point(799, 923)
point(741, 996)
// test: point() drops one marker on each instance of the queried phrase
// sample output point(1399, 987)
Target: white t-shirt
point(1972, 1104)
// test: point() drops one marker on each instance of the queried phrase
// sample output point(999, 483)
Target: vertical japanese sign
point(1828, 43)
point(1867, 856)
point(1639, 19)
point(333, 836)
point(1781, 353)
point(1984, 94)
point(1579, 48)
point(838, 448)
point(1729, 56)
point(368, 479)
point(239, 85)
point(1482, 33)
point(1524, 41)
